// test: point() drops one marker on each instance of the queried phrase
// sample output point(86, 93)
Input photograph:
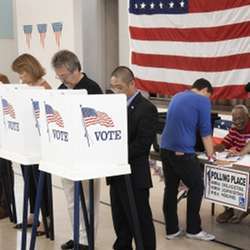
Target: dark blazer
point(142, 122)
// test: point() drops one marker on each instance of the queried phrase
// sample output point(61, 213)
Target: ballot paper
point(225, 156)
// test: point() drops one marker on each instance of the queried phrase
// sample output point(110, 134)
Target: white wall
point(124, 57)
point(30, 12)
point(84, 32)
point(100, 39)
point(8, 52)
point(93, 40)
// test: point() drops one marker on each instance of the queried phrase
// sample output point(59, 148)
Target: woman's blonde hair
point(29, 64)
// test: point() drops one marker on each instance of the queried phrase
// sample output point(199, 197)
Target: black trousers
point(122, 218)
point(33, 173)
point(186, 168)
point(5, 171)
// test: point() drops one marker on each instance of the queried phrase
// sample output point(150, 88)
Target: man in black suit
point(142, 120)
point(68, 69)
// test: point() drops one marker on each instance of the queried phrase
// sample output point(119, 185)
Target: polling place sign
point(226, 186)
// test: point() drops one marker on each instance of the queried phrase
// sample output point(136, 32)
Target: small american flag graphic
point(53, 116)
point(8, 109)
point(36, 109)
point(93, 117)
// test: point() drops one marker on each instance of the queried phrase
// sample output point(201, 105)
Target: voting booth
point(19, 133)
point(19, 127)
point(84, 137)
point(20, 122)
point(67, 132)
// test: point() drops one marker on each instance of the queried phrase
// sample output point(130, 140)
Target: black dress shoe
point(83, 247)
point(68, 245)
point(20, 225)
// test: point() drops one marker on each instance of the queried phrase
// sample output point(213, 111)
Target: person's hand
point(233, 152)
point(211, 158)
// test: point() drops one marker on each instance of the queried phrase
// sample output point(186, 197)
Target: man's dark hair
point(124, 73)
point(66, 58)
point(247, 87)
point(202, 83)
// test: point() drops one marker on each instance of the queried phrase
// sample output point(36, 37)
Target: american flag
point(53, 116)
point(93, 117)
point(175, 42)
point(36, 109)
point(8, 109)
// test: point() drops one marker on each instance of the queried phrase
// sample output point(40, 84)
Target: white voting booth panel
point(14, 86)
point(84, 137)
point(19, 124)
point(4, 87)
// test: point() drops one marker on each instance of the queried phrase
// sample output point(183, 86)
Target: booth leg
point(91, 216)
point(37, 208)
point(51, 212)
point(36, 174)
point(12, 193)
point(7, 196)
point(137, 228)
point(85, 212)
point(25, 208)
point(76, 214)
point(212, 209)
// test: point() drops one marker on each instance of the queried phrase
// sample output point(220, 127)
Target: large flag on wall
point(175, 42)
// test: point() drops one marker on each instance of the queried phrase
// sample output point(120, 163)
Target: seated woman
point(235, 141)
point(31, 72)
point(239, 215)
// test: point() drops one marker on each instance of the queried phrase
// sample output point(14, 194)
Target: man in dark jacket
point(142, 120)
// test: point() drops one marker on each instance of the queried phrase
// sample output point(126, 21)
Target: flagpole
point(34, 113)
point(47, 122)
point(85, 129)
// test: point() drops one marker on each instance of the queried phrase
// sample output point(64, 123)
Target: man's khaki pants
point(68, 187)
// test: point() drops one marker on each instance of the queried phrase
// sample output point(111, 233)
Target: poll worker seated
point(239, 215)
point(244, 151)
point(234, 142)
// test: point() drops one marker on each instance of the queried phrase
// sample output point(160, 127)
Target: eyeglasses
point(64, 77)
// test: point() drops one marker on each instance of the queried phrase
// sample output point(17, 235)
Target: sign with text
point(226, 186)
point(84, 137)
